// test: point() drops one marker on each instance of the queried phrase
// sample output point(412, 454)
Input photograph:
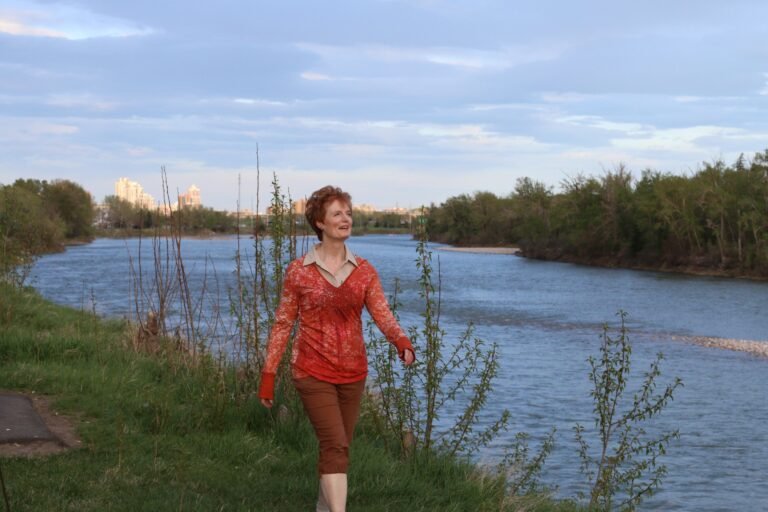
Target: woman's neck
point(332, 251)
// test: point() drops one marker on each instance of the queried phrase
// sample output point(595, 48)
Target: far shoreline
point(687, 270)
point(514, 251)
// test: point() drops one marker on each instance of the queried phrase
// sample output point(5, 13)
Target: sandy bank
point(756, 348)
point(482, 250)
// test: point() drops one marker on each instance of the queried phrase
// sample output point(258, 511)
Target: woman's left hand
point(408, 357)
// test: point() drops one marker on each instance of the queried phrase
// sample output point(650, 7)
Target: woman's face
point(337, 223)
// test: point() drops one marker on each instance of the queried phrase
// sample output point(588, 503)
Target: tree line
point(37, 217)
point(716, 218)
point(119, 214)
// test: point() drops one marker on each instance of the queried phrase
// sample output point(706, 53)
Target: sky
point(401, 102)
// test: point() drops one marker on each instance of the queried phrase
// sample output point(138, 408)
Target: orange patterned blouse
point(329, 343)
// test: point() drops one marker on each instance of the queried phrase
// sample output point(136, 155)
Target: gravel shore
point(757, 348)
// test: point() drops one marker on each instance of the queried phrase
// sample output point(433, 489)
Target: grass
point(159, 433)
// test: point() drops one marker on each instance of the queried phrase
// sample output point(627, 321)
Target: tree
point(25, 231)
point(121, 213)
point(532, 221)
point(452, 221)
point(73, 205)
point(650, 233)
point(677, 204)
point(580, 216)
point(617, 225)
point(489, 219)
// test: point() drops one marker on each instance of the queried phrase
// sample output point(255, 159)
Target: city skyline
point(133, 192)
point(400, 102)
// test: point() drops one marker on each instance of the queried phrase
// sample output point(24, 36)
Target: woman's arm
point(378, 307)
point(285, 317)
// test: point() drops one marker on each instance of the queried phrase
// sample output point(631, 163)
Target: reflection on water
point(547, 319)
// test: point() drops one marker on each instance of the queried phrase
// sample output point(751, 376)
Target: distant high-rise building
point(365, 208)
point(191, 198)
point(300, 206)
point(133, 192)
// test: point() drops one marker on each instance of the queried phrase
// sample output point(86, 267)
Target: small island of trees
point(715, 220)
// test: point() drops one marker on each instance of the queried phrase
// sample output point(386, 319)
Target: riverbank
point(165, 432)
point(204, 234)
point(693, 270)
point(482, 250)
point(605, 263)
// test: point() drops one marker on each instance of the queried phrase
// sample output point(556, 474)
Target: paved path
point(29, 427)
point(20, 422)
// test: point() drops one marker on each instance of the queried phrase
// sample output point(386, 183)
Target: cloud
point(18, 28)
point(7, 99)
point(358, 150)
point(87, 101)
point(138, 151)
point(474, 137)
point(489, 107)
point(82, 101)
point(50, 129)
point(255, 102)
point(314, 77)
point(453, 57)
point(600, 123)
point(36, 135)
point(703, 99)
point(563, 97)
point(23, 71)
point(677, 139)
point(390, 133)
point(764, 92)
point(26, 18)
point(643, 138)
point(608, 156)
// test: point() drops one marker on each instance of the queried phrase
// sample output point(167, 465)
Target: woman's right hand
point(267, 403)
point(408, 357)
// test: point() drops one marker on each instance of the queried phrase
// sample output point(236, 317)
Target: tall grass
point(162, 432)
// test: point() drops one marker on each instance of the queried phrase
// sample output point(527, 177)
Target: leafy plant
point(520, 469)
point(410, 403)
point(625, 469)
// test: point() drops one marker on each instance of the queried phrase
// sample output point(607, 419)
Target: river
point(547, 319)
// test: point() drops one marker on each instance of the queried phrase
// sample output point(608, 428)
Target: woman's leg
point(334, 489)
point(333, 410)
point(321, 403)
point(322, 503)
point(350, 398)
point(335, 485)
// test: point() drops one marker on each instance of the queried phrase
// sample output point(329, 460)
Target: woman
point(326, 291)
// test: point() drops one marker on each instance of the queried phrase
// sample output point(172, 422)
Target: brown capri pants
point(333, 410)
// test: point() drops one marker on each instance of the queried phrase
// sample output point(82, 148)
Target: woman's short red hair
point(318, 202)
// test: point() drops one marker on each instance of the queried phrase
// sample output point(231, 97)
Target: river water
point(547, 319)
